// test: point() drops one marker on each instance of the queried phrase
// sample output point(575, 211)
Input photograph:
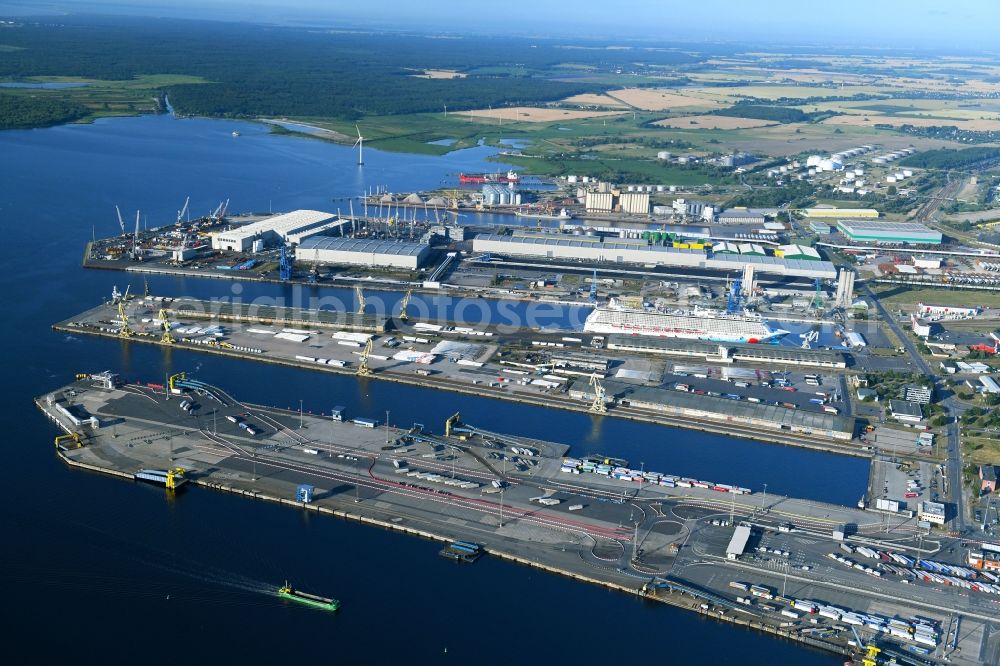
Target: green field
point(894, 297)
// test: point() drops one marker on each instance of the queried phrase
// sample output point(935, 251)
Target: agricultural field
point(440, 74)
point(593, 99)
point(712, 122)
point(653, 99)
point(531, 114)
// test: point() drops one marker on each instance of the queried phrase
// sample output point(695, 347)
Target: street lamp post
point(763, 499)
point(300, 414)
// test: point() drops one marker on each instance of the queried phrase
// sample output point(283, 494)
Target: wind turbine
point(360, 143)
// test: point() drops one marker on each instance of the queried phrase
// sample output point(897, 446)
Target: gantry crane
point(166, 338)
point(363, 369)
point(402, 306)
point(599, 406)
point(360, 295)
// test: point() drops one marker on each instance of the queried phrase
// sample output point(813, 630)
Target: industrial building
point(919, 394)
point(729, 353)
point(947, 311)
point(599, 202)
point(729, 412)
point(363, 252)
point(841, 212)
point(634, 203)
point(739, 217)
point(292, 227)
point(801, 252)
point(738, 544)
point(906, 411)
point(818, 227)
point(932, 512)
point(636, 251)
point(862, 231)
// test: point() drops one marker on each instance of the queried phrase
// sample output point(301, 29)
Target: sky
point(961, 24)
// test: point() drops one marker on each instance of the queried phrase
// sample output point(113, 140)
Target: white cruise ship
point(695, 325)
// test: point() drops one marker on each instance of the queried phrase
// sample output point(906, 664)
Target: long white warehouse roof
point(281, 224)
point(738, 544)
point(364, 246)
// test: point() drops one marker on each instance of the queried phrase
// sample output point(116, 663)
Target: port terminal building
point(728, 412)
point(726, 353)
point(363, 252)
point(867, 231)
point(293, 227)
point(640, 251)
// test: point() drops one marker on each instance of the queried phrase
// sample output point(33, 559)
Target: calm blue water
point(111, 553)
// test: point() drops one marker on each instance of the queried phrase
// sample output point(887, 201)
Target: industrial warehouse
point(362, 252)
point(862, 231)
point(639, 251)
point(711, 408)
point(292, 227)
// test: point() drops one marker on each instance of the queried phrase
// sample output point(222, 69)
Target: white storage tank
point(571, 179)
point(663, 155)
point(258, 246)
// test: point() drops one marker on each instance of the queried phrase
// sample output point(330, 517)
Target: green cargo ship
point(323, 603)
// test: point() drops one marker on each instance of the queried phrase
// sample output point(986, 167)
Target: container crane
point(593, 287)
point(166, 338)
point(598, 406)
point(402, 306)
point(360, 296)
point(363, 369)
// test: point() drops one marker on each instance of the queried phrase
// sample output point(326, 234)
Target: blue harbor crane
point(735, 297)
point(593, 287)
point(284, 265)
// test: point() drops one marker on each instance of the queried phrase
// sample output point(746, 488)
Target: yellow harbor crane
point(173, 378)
point(599, 406)
point(363, 369)
point(402, 306)
point(451, 422)
point(167, 338)
point(360, 295)
point(174, 477)
point(71, 436)
point(125, 331)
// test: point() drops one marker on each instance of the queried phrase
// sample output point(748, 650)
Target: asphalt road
point(954, 458)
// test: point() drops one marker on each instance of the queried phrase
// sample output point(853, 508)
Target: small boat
point(236, 132)
point(324, 603)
